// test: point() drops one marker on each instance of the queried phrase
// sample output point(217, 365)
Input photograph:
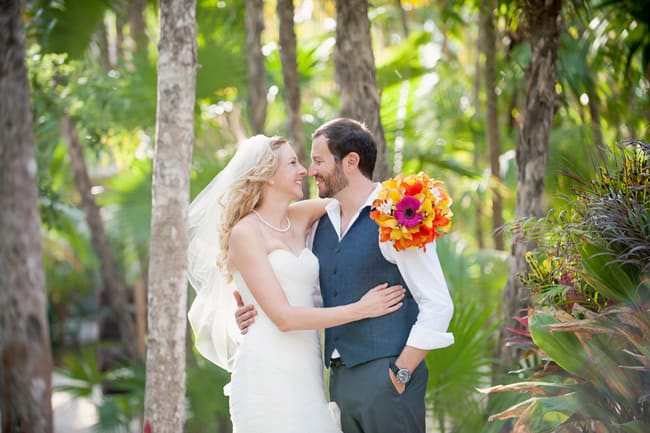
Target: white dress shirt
point(423, 275)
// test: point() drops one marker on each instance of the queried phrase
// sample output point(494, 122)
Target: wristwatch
point(402, 374)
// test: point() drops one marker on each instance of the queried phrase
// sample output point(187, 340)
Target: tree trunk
point(135, 11)
point(113, 283)
point(402, 18)
point(492, 127)
point(26, 369)
point(103, 47)
point(256, 73)
point(119, 35)
point(478, 151)
point(167, 294)
point(356, 76)
point(542, 18)
point(291, 81)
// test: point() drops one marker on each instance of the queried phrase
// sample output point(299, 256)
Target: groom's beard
point(333, 183)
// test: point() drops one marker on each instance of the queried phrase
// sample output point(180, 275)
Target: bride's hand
point(381, 300)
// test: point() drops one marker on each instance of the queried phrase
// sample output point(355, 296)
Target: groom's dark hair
point(346, 135)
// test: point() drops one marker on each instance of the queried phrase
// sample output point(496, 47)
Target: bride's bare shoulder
point(245, 229)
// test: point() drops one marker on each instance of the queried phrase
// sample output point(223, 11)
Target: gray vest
point(348, 269)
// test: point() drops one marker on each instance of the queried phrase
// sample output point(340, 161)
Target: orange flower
point(412, 211)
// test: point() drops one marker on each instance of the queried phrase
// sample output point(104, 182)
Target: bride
point(245, 236)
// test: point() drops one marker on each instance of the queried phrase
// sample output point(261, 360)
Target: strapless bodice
point(297, 275)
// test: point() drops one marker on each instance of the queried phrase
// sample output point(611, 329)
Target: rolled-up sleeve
point(423, 275)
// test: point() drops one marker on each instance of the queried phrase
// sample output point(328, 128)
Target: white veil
point(211, 315)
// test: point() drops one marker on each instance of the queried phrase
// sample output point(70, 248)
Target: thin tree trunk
point(102, 44)
point(112, 279)
point(356, 75)
point(402, 16)
point(135, 10)
point(26, 369)
point(493, 141)
point(543, 25)
point(167, 294)
point(477, 152)
point(291, 81)
point(119, 35)
point(256, 73)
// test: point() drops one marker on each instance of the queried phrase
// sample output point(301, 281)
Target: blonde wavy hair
point(244, 195)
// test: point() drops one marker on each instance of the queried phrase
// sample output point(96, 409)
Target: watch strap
point(400, 377)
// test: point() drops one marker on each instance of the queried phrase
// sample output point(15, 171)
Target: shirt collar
point(333, 210)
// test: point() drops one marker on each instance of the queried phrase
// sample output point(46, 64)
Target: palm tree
point(135, 12)
point(291, 81)
point(167, 295)
point(256, 72)
point(25, 382)
point(356, 76)
point(542, 20)
point(492, 126)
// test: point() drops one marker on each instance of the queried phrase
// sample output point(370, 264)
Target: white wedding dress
point(277, 380)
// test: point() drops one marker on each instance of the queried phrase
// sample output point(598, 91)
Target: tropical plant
point(592, 329)
point(117, 392)
point(455, 371)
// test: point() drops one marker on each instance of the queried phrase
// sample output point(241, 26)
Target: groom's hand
point(399, 387)
point(245, 314)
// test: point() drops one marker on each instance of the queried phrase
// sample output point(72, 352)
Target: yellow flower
point(412, 211)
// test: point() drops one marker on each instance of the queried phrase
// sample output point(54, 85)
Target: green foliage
point(128, 198)
point(456, 370)
point(208, 406)
point(461, 367)
point(598, 355)
point(66, 26)
point(221, 48)
point(117, 410)
point(124, 382)
point(637, 40)
point(615, 205)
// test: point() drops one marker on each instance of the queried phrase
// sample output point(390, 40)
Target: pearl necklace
point(271, 226)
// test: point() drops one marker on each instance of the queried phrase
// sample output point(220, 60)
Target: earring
point(271, 182)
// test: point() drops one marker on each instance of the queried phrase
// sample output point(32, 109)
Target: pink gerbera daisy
point(406, 212)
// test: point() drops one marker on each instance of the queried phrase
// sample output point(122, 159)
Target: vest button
point(335, 293)
point(334, 272)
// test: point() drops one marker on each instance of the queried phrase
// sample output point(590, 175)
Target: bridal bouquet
point(412, 211)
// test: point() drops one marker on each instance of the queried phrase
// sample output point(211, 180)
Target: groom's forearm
point(410, 357)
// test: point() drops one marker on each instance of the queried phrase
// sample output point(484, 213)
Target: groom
point(378, 376)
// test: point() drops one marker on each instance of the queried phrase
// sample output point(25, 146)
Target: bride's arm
point(308, 211)
point(251, 260)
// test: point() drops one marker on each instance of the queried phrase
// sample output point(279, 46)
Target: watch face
point(403, 375)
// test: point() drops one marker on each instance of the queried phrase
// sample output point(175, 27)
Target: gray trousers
point(369, 402)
